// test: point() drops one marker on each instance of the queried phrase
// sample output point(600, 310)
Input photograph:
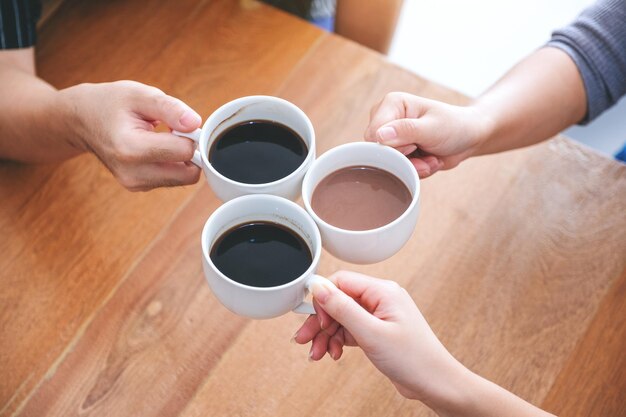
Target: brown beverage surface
point(360, 198)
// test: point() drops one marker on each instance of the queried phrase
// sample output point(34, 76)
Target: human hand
point(381, 318)
point(116, 121)
point(434, 135)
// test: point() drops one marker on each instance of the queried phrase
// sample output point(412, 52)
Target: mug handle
point(195, 136)
point(306, 307)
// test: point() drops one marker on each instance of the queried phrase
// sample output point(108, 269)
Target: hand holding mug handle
point(195, 136)
point(306, 307)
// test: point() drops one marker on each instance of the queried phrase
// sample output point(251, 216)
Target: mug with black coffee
point(255, 145)
point(260, 254)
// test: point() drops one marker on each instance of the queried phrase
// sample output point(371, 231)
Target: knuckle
point(158, 154)
point(140, 87)
point(127, 85)
point(125, 154)
point(180, 151)
point(341, 272)
point(155, 91)
point(167, 104)
point(338, 275)
point(394, 96)
point(407, 127)
point(341, 307)
point(195, 176)
point(191, 176)
point(187, 149)
point(122, 83)
point(137, 93)
point(129, 181)
point(393, 286)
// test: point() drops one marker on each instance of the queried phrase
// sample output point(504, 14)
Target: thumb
point(344, 309)
point(170, 110)
point(400, 132)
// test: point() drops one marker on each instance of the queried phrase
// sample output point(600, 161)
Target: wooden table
point(518, 260)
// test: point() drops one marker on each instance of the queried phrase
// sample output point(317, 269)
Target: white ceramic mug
point(364, 246)
point(241, 110)
point(261, 302)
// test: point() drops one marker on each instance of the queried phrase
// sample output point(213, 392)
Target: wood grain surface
point(518, 260)
point(61, 271)
point(593, 380)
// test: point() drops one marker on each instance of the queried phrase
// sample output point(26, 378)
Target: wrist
point(75, 125)
point(472, 395)
point(445, 387)
point(456, 397)
point(485, 127)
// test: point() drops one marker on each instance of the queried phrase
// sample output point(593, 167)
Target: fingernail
point(320, 293)
point(190, 118)
point(387, 133)
point(310, 358)
point(332, 355)
point(293, 339)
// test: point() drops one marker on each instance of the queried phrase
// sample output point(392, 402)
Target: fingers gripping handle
point(195, 136)
point(306, 307)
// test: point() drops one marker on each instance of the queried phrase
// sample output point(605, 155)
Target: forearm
point(36, 120)
point(477, 397)
point(536, 99)
point(452, 390)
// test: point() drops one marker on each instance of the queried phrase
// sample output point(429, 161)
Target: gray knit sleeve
point(596, 41)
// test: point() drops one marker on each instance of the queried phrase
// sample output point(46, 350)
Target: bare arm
point(483, 398)
point(381, 318)
point(115, 121)
point(34, 124)
point(23, 59)
point(535, 100)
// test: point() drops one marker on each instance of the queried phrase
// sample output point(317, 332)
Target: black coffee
point(257, 152)
point(261, 254)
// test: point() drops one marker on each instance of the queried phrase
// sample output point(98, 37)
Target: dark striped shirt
point(18, 23)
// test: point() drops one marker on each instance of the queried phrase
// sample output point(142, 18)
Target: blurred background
point(469, 45)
